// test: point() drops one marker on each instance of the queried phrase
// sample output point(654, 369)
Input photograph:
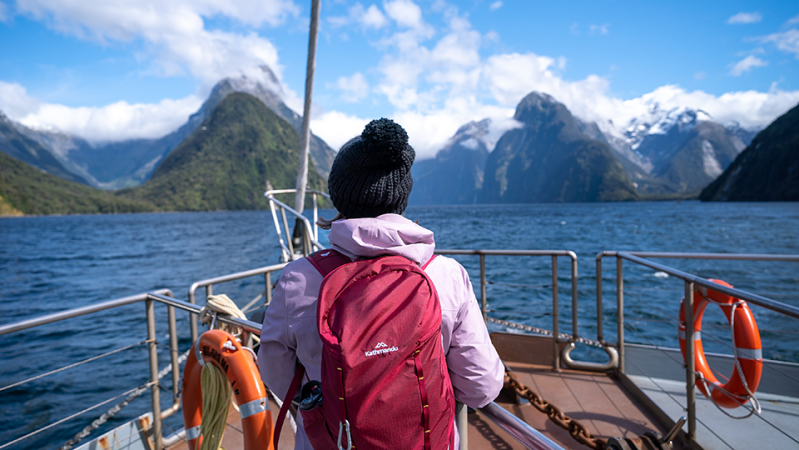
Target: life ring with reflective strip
point(221, 349)
point(748, 348)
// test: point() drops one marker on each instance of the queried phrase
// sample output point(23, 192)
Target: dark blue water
point(49, 264)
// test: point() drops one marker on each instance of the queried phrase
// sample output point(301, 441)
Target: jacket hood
point(389, 234)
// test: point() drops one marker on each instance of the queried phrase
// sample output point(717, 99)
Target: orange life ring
point(221, 349)
point(733, 393)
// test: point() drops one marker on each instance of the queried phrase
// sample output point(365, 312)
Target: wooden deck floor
point(596, 400)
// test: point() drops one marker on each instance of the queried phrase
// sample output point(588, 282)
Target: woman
point(369, 184)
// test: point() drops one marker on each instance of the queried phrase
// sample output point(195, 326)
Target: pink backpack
point(384, 382)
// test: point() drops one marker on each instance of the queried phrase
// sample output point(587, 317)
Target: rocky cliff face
point(455, 175)
point(549, 159)
point(768, 170)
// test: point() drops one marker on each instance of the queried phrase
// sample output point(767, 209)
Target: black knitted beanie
point(371, 174)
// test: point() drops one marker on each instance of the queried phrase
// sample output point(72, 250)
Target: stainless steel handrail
point(147, 298)
point(691, 283)
point(517, 428)
point(310, 238)
point(514, 426)
point(209, 283)
point(557, 353)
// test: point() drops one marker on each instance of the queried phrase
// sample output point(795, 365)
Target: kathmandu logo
point(381, 348)
point(325, 254)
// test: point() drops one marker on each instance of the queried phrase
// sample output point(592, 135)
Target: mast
point(305, 142)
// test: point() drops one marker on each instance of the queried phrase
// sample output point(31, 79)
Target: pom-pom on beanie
point(371, 174)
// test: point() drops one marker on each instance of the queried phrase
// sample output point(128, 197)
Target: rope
point(118, 407)
point(222, 304)
point(750, 396)
point(59, 422)
point(216, 401)
point(79, 363)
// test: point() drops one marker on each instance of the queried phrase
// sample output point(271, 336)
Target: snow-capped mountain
point(676, 150)
point(129, 163)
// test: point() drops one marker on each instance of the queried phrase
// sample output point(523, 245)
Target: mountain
point(129, 163)
point(676, 151)
point(225, 163)
point(455, 175)
point(25, 189)
point(18, 145)
point(768, 170)
point(549, 159)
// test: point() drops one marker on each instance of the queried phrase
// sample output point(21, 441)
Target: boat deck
point(597, 400)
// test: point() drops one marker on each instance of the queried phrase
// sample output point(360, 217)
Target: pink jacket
point(289, 330)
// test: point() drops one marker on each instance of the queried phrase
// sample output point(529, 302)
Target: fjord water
point(49, 264)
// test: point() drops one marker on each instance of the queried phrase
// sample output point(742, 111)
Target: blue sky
point(137, 68)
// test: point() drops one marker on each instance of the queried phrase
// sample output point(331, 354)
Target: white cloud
point(15, 101)
point(744, 17)
point(174, 32)
point(747, 64)
point(336, 128)
point(3, 12)
point(354, 88)
point(496, 5)
point(370, 17)
point(793, 20)
point(700, 76)
point(599, 29)
point(373, 18)
point(117, 121)
point(405, 12)
point(787, 41)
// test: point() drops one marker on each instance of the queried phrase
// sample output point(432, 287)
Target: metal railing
point(514, 426)
point(691, 285)
point(310, 232)
point(504, 419)
point(558, 355)
point(209, 283)
point(148, 299)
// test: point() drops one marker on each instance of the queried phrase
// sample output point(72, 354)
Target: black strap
point(295, 384)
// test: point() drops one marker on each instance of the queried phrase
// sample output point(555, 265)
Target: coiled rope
point(215, 304)
point(217, 395)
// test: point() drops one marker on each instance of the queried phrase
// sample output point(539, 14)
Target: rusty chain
point(576, 429)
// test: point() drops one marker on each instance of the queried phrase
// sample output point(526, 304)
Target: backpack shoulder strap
point(284, 408)
point(428, 262)
point(327, 261)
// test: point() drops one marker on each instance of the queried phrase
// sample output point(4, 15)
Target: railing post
point(555, 316)
point(151, 338)
point(483, 297)
point(209, 291)
point(315, 218)
point(462, 420)
point(599, 310)
point(268, 287)
point(173, 350)
point(620, 310)
point(575, 329)
point(690, 362)
point(193, 317)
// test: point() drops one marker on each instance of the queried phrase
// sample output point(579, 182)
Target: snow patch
point(709, 161)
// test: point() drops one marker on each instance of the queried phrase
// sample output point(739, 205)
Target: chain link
point(531, 329)
point(576, 429)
